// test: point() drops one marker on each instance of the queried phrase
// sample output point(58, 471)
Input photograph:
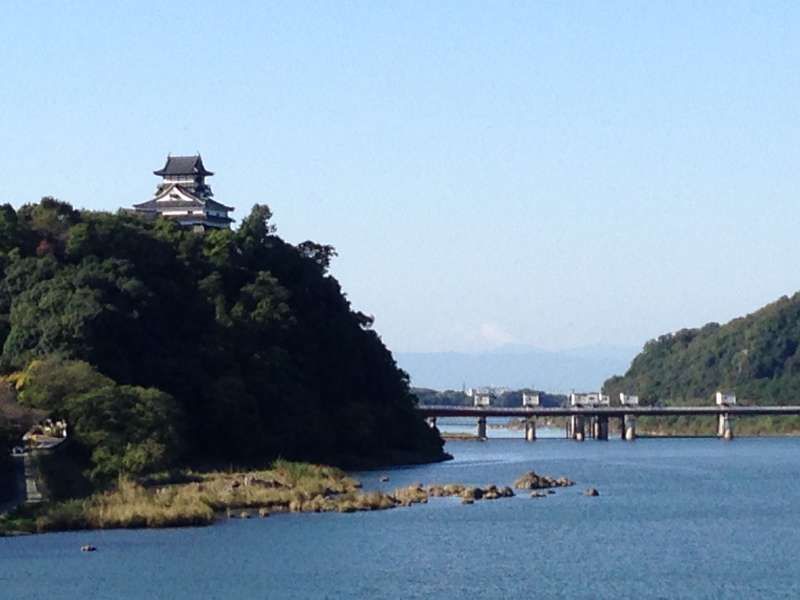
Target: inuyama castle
point(184, 196)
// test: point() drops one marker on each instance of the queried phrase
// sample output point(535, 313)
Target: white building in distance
point(481, 398)
point(589, 399)
point(530, 399)
point(725, 399)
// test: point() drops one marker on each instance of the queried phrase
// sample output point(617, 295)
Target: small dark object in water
point(88, 548)
point(591, 492)
point(384, 478)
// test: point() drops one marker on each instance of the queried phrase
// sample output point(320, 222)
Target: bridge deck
point(607, 411)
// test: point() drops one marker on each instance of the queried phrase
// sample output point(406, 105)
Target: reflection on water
point(675, 519)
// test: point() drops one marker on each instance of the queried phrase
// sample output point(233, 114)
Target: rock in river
point(532, 481)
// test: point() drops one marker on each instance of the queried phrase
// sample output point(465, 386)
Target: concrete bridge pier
point(600, 428)
point(482, 428)
point(576, 425)
point(629, 428)
point(725, 428)
point(530, 430)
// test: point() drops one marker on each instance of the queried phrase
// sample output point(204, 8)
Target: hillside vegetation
point(163, 347)
point(755, 356)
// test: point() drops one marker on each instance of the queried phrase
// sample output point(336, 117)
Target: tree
point(129, 430)
point(230, 345)
point(49, 384)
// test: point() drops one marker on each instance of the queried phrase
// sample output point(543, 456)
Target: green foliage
point(129, 430)
point(229, 346)
point(123, 429)
point(509, 398)
point(49, 384)
point(757, 357)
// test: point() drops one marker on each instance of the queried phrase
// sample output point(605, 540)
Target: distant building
point(46, 435)
point(726, 399)
point(530, 399)
point(589, 399)
point(482, 398)
point(184, 196)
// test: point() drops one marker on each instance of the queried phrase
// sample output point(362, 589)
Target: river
point(676, 518)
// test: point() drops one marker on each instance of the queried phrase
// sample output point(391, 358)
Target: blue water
point(675, 519)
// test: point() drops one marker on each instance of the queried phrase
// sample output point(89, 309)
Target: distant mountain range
point(517, 366)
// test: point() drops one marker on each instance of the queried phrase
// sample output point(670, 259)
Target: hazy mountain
point(518, 366)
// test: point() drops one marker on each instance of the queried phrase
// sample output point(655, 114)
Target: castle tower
point(184, 196)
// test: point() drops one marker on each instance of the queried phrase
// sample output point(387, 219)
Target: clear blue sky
point(555, 174)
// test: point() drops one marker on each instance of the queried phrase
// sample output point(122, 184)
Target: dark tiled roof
point(183, 165)
point(199, 219)
point(196, 201)
point(214, 205)
point(155, 204)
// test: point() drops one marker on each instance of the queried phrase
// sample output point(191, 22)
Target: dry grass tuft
point(189, 498)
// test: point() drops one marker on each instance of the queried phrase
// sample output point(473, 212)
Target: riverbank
point(685, 426)
point(459, 436)
point(189, 498)
point(195, 499)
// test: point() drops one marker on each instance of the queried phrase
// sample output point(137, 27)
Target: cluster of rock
point(532, 481)
point(469, 494)
point(417, 493)
point(346, 498)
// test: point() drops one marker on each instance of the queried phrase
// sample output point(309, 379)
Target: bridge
point(597, 417)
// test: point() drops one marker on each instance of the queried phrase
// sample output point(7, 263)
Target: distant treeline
point(510, 398)
point(757, 357)
point(163, 347)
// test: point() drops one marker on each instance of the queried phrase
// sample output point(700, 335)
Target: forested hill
point(755, 356)
point(162, 345)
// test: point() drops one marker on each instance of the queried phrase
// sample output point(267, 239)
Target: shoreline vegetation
point(189, 498)
point(763, 426)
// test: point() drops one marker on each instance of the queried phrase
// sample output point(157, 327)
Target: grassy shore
point(199, 498)
point(458, 435)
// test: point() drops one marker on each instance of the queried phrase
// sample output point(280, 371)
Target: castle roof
point(177, 196)
point(184, 165)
